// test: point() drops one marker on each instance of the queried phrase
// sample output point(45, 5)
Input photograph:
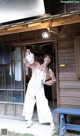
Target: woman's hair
point(41, 59)
point(49, 55)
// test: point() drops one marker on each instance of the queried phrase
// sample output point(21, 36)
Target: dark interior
point(39, 50)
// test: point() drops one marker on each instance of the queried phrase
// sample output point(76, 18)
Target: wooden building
point(64, 41)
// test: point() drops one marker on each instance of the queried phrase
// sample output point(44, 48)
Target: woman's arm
point(52, 78)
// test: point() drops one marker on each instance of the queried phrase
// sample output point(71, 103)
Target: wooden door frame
point(53, 41)
point(57, 70)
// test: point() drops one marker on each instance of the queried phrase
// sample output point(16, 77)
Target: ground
point(67, 134)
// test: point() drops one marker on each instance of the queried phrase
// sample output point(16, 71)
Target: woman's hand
point(25, 60)
point(28, 51)
point(26, 54)
point(49, 82)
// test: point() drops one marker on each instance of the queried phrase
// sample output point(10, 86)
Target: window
point(12, 78)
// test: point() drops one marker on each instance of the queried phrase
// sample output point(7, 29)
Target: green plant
point(18, 134)
point(27, 135)
point(56, 132)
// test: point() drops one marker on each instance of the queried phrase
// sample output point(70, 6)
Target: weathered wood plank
point(70, 106)
point(66, 45)
point(70, 93)
point(18, 110)
point(69, 84)
point(77, 54)
point(69, 54)
point(68, 76)
point(66, 51)
point(66, 21)
point(70, 100)
point(10, 109)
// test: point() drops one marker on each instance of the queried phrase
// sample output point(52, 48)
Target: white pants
point(38, 97)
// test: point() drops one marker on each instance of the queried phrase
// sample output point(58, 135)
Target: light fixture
point(47, 33)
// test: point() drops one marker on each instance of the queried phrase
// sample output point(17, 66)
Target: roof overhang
point(41, 23)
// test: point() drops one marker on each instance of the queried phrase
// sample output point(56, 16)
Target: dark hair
point(49, 55)
point(28, 47)
point(51, 58)
point(41, 59)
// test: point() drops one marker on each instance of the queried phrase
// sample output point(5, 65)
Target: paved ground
point(20, 127)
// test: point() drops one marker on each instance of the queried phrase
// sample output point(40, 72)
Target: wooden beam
point(65, 20)
point(24, 28)
point(35, 41)
point(60, 21)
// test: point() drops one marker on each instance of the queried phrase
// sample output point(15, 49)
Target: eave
point(41, 23)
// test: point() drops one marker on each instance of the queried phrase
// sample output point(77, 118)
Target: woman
point(41, 75)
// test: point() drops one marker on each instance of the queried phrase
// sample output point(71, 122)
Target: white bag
point(30, 58)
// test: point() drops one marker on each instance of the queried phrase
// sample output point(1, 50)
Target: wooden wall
point(69, 83)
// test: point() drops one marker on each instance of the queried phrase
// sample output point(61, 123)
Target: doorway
point(39, 49)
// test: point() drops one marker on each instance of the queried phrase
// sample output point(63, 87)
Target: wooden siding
point(70, 92)
point(77, 54)
point(11, 110)
point(69, 84)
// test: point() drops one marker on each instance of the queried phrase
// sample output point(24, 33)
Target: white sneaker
point(52, 125)
point(29, 124)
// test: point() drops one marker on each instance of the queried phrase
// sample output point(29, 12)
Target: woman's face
point(47, 59)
